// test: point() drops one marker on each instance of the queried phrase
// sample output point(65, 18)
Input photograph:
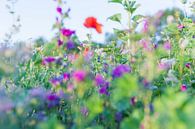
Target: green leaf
point(115, 17)
point(52, 123)
point(130, 6)
point(95, 105)
point(130, 123)
point(115, 1)
point(124, 88)
point(137, 18)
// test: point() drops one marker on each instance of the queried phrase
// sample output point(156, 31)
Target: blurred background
point(38, 16)
point(28, 22)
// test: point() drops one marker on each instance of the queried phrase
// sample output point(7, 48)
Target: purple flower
point(52, 100)
point(133, 101)
point(70, 45)
point(59, 10)
point(167, 45)
point(99, 80)
point(60, 42)
point(79, 75)
point(118, 116)
point(54, 81)
point(57, 80)
point(47, 60)
point(120, 70)
point(67, 32)
point(104, 90)
point(188, 65)
point(66, 76)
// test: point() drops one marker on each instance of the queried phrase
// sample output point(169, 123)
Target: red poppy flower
point(91, 22)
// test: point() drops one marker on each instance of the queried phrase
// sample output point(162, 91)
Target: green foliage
point(123, 89)
point(116, 17)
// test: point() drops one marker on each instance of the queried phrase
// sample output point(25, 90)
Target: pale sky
point(38, 16)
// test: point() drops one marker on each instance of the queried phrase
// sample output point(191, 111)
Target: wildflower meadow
point(139, 77)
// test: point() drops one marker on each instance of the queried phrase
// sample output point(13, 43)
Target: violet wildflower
point(67, 32)
point(48, 60)
point(118, 116)
point(66, 76)
point(52, 100)
point(145, 26)
point(133, 101)
point(59, 10)
point(183, 87)
point(167, 45)
point(57, 80)
point(70, 45)
point(79, 75)
point(99, 80)
point(104, 90)
point(188, 65)
point(120, 70)
point(60, 42)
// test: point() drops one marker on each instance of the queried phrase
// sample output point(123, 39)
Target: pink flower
point(79, 75)
point(70, 87)
point(183, 87)
point(66, 76)
point(145, 26)
point(180, 27)
point(188, 65)
point(67, 32)
point(166, 63)
point(167, 45)
point(59, 10)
